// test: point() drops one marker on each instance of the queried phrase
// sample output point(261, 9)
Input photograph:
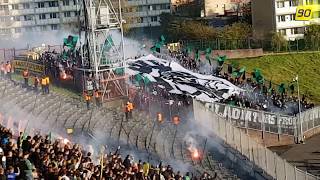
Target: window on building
point(26, 6)
point(280, 4)
point(283, 32)
point(138, 9)
point(152, 7)
point(293, 3)
point(17, 30)
point(15, 6)
point(42, 16)
point(281, 18)
point(29, 29)
point(76, 13)
point(40, 4)
point(4, 7)
point(43, 28)
point(54, 26)
point(67, 14)
point(165, 6)
point(292, 17)
point(53, 15)
point(139, 19)
point(16, 18)
point(53, 4)
point(154, 18)
point(27, 17)
point(66, 2)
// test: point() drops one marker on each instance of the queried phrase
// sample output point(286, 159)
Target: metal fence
point(268, 161)
point(310, 121)
point(232, 44)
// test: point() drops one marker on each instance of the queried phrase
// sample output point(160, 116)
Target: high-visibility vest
point(87, 97)
point(8, 67)
point(96, 94)
point(25, 74)
point(130, 106)
point(43, 81)
point(47, 80)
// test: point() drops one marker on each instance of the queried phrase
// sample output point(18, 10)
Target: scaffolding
point(103, 58)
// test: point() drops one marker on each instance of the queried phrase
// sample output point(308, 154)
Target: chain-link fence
point(262, 157)
point(232, 44)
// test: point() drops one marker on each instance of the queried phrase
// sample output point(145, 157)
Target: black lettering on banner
point(304, 13)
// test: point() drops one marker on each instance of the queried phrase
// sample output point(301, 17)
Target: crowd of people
point(269, 99)
point(40, 157)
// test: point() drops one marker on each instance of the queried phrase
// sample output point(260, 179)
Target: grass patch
point(283, 68)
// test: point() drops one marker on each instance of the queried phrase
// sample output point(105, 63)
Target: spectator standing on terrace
point(43, 84)
point(8, 71)
point(97, 98)
point(87, 98)
point(36, 82)
point(26, 167)
point(25, 75)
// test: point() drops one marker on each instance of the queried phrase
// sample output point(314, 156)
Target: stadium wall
point(239, 53)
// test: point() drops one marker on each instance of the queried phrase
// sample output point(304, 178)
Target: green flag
point(239, 72)
point(270, 87)
point(257, 75)
point(162, 39)
point(50, 136)
point(138, 77)
point(197, 55)
point(146, 80)
point(221, 59)
point(189, 50)
point(119, 71)
point(291, 87)
point(208, 55)
point(70, 42)
point(282, 88)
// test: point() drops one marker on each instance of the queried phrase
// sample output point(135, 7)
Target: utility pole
point(299, 104)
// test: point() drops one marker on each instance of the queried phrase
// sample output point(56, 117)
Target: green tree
point(235, 35)
point(278, 42)
point(312, 37)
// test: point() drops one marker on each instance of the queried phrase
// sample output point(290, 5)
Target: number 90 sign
point(304, 13)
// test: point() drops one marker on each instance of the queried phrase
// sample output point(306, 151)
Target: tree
point(235, 34)
point(278, 42)
point(312, 37)
point(246, 13)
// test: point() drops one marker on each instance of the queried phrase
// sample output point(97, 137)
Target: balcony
point(23, 23)
point(46, 10)
point(48, 21)
point(147, 2)
point(69, 19)
point(286, 10)
point(4, 13)
point(291, 24)
point(21, 12)
point(68, 8)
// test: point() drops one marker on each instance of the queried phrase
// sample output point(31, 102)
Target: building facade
point(269, 16)
point(145, 13)
point(222, 7)
point(18, 16)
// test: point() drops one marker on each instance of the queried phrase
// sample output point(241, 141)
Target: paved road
point(304, 156)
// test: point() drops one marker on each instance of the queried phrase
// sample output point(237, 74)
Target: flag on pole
point(208, 54)
point(221, 59)
point(197, 55)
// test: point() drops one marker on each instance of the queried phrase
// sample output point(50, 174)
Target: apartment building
point(269, 16)
point(145, 13)
point(222, 7)
point(18, 16)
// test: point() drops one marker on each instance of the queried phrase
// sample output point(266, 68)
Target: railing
point(263, 158)
point(310, 122)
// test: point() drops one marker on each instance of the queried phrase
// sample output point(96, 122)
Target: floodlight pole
point(299, 106)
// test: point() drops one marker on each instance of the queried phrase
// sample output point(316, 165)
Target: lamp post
point(299, 108)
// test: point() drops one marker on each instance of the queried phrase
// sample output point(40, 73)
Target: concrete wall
point(239, 53)
point(270, 139)
point(263, 18)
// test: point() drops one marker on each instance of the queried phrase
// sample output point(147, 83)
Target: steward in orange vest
point(87, 97)
point(25, 75)
point(97, 98)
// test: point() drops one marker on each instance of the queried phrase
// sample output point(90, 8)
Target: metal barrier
point(262, 157)
point(310, 122)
